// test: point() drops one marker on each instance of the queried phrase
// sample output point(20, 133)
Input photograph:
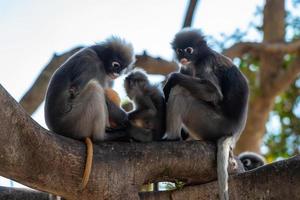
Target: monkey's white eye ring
point(115, 64)
point(179, 51)
point(189, 50)
point(247, 162)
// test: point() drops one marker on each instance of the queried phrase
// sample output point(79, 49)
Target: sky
point(31, 31)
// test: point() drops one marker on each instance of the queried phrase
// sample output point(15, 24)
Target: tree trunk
point(271, 63)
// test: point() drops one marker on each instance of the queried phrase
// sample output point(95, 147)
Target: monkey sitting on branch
point(209, 98)
point(76, 105)
point(147, 120)
point(251, 160)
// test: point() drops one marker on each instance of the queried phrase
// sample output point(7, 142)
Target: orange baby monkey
point(114, 97)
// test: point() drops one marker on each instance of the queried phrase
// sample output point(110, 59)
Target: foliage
point(282, 137)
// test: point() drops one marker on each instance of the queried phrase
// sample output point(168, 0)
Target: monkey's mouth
point(114, 75)
point(184, 61)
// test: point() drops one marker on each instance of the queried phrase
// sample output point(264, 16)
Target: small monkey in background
point(209, 98)
point(147, 121)
point(251, 160)
point(76, 105)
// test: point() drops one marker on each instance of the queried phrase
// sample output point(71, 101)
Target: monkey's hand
point(171, 82)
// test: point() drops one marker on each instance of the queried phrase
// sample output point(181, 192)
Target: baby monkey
point(147, 121)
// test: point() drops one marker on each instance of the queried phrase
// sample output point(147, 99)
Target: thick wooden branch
point(286, 77)
point(155, 65)
point(279, 180)
point(49, 162)
point(241, 48)
point(35, 95)
point(7, 193)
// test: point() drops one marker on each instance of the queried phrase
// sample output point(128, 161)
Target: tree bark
point(279, 180)
point(7, 193)
point(52, 163)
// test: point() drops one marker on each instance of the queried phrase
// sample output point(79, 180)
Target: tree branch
point(286, 76)
point(7, 193)
point(279, 180)
point(241, 48)
point(35, 95)
point(190, 13)
point(155, 65)
point(52, 163)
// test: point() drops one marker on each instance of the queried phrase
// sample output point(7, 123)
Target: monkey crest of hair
point(251, 160)
point(121, 46)
point(188, 37)
point(136, 77)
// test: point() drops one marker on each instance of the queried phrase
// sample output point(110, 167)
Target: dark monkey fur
point(76, 105)
point(208, 97)
point(147, 121)
point(251, 160)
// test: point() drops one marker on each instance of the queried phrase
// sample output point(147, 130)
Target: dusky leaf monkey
point(147, 120)
point(208, 97)
point(76, 105)
point(251, 160)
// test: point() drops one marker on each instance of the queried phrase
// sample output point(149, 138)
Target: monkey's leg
point(176, 108)
point(88, 162)
point(140, 134)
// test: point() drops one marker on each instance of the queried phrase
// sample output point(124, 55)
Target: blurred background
point(261, 36)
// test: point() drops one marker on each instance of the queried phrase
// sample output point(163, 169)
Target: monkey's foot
point(171, 137)
point(232, 161)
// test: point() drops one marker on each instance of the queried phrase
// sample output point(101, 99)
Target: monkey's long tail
point(88, 162)
point(224, 144)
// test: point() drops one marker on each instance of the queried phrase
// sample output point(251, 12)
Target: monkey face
point(184, 56)
point(186, 44)
point(135, 82)
point(251, 160)
point(116, 56)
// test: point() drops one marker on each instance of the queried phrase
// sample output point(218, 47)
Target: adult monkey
point(251, 160)
point(76, 105)
point(209, 98)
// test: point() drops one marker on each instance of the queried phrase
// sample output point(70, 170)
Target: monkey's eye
point(247, 162)
point(189, 50)
point(179, 51)
point(115, 65)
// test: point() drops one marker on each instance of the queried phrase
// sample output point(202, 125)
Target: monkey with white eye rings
point(208, 98)
point(76, 105)
point(147, 120)
point(251, 160)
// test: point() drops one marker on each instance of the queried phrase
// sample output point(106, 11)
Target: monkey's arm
point(148, 108)
point(81, 73)
point(202, 89)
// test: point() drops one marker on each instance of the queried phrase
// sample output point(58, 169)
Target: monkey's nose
point(184, 61)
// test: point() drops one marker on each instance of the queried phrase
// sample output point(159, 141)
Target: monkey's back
point(82, 66)
point(160, 118)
